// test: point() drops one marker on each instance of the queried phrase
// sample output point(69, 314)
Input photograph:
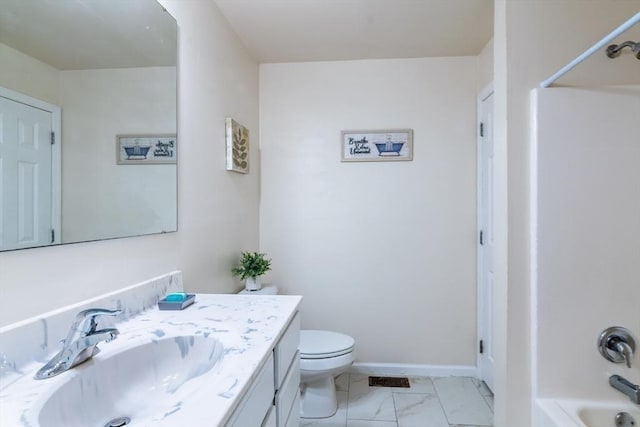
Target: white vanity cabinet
point(273, 398)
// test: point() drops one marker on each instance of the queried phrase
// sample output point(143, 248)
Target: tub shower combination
point(585, 234)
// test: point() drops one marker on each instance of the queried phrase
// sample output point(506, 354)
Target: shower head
point(613, 51)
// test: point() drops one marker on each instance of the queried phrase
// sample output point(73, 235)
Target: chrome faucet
point(626, 387)
point(80, 344)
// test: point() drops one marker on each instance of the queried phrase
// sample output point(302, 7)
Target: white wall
point(120, 200)
point(384, 251)
point(218, 210)
point(533, 39)
point(25, 74)
point(588, 235)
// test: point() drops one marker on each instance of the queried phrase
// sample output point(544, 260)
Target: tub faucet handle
point(617, 345)
point(625, 350)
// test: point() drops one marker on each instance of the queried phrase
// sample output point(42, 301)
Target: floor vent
point(389, 382)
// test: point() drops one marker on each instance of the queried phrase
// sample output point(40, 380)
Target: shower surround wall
point(586, 160)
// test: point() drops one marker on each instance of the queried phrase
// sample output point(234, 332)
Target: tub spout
point(626, 387)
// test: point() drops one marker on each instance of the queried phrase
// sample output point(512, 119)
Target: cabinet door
point(253, 408)
point(270, 421)
point(294, 414)
point(286, 349)
point(288, 392)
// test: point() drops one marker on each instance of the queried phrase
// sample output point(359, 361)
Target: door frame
point(481, 321)
point(56, 154)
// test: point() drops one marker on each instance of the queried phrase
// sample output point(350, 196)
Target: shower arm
point(593, 49)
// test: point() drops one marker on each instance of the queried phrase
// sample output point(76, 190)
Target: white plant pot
point(252, 284)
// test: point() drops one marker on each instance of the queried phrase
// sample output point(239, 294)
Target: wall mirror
point(88, 143)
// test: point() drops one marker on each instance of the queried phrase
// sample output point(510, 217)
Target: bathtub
point(582, 413)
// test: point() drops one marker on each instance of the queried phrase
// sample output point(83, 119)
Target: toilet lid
point(323, 344)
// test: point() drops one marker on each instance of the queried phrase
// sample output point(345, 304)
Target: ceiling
point(80, 34)
point(324, 30)
point(90, 34)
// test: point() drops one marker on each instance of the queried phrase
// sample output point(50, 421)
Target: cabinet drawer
point(286, 349)
point(256, 403)
point(288, 391)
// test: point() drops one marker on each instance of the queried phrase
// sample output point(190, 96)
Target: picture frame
point(385, 145)
point(237, 143)
point(146, 149)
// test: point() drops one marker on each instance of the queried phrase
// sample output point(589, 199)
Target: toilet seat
point(316, 344)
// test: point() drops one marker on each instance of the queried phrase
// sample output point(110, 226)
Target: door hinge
point(481, 238)
point(53, 235)
point(53, 138)
point(481, 129)
point(481, 347)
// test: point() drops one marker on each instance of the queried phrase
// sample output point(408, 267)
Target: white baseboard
point(404, 369)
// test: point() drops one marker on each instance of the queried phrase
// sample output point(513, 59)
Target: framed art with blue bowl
point(146, 149)
point(377, 145)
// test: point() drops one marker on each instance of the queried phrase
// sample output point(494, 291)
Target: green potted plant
point(252, 266)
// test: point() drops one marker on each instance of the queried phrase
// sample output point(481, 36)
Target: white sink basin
point(146, 383)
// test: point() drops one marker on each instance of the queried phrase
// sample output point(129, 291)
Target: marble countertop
point(247, 326)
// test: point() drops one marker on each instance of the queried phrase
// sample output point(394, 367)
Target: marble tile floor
point(429, 402)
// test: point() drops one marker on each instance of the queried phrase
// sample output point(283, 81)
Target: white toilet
point(323, 356)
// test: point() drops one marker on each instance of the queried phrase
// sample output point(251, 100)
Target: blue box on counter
point(173, 304)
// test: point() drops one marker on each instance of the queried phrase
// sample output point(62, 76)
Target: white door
point(25, 175)
point(485, 239)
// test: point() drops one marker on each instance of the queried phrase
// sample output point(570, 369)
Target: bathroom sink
point(145, 383)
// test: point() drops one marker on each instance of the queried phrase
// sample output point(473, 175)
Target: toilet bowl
point(323, 356)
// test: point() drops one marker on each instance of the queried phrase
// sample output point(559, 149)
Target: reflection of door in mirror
point(29, 194)
point(110, 67)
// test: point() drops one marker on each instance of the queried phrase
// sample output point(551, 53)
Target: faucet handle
point(85, 320)
point(93, 312)
point(624, 349)
point(617, 345)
